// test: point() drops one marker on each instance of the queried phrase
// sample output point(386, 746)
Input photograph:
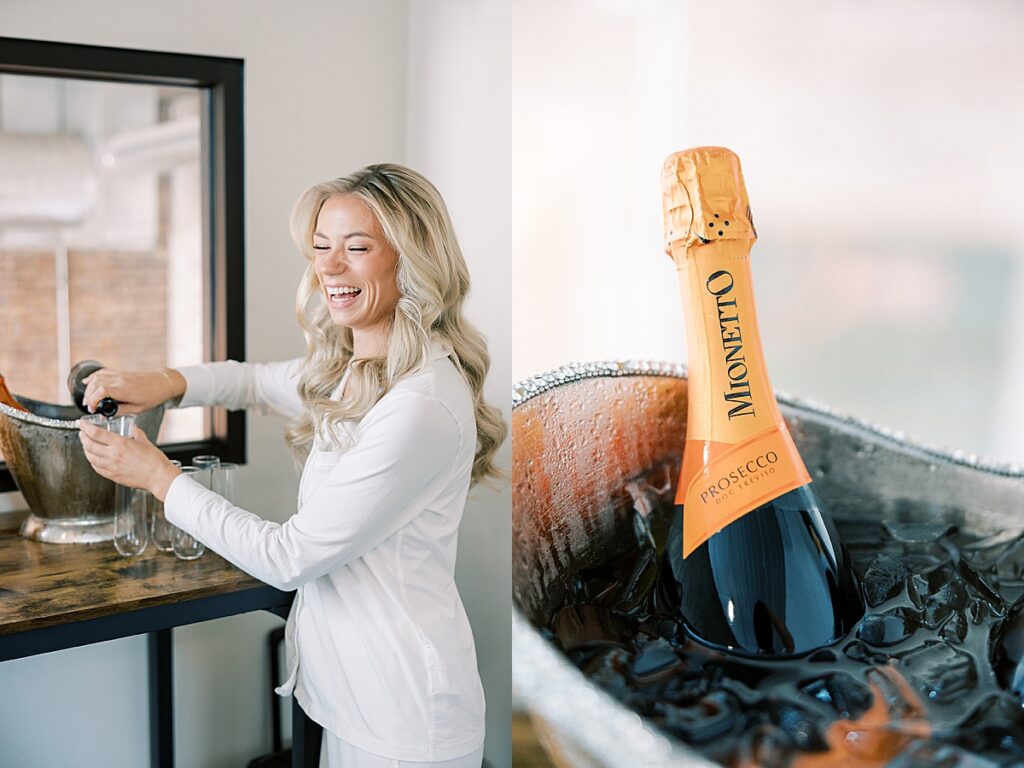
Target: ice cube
point(801, 725)
point(955, 628)
point(847, 695)
point(685, 685)
point(859, 651)
point(657, 656)
point(765, 746)
point(889, 628)
point(665, 626)
point(918, 589)
point(939, 576)
point(951, 597)
point(918, 533)
point(939, 671)
point(636, 587)
point(590, 585)
point(924, 584)
point(981, 587)
point(713, 716)
point(579, 625)
point(884, 579)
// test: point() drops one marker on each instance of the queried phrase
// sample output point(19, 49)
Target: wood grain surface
point(45, 585)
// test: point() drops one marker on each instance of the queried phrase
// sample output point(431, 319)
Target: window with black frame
point(121, 223)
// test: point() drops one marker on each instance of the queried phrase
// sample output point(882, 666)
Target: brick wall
point(117, 308)
point(28, 323)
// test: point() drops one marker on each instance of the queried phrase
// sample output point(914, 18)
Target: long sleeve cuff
point(199, 385)
point(179, 504)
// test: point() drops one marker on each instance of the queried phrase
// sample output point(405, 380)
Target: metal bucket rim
point(531, 387)
point(42, 421)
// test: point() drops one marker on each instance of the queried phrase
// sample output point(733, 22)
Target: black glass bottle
point(759, 567)
point(76, 386)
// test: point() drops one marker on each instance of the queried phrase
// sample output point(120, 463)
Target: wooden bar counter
point(57, 596)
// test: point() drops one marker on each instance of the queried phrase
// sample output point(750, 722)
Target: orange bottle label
point(739, 453)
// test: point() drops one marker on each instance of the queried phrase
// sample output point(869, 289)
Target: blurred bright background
point(881, 146)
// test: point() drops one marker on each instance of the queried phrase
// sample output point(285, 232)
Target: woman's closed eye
point(350, 249)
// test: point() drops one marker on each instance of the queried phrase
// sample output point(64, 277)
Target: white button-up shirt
point(379, 648)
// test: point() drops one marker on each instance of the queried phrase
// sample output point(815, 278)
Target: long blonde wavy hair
point(432, 281)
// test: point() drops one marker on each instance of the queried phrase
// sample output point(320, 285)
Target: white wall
point(881, 148)
point(325, 93)
point(457, 89)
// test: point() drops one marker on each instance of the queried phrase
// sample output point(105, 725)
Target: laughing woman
point(387, 410)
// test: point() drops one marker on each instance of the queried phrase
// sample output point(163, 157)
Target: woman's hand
point(135, 391)
point(135, 463)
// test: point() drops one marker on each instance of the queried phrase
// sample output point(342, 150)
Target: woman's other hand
point(135, 391)
point(133, 461)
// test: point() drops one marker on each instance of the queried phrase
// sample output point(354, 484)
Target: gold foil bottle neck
point(704, 199)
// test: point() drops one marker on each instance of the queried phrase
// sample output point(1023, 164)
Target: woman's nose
point(333, 260)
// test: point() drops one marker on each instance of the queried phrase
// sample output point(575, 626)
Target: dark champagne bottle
point(759, 567)
point(7, 398)
point(76, 386)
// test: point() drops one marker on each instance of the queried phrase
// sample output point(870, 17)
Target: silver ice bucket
point(69, 502)
point(582, 433)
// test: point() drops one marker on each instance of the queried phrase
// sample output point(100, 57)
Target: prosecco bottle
point(76, 386)
point(758, 566)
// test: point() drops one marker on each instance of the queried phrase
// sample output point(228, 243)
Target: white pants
point(335, 753)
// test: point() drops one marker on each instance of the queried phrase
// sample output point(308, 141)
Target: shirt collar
point(439, 349)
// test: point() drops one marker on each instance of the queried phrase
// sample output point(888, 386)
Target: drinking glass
point(204, 464)
point(131, 505)
point(121, 425)
point(96, 418)
point(223, 480)
point(186, 547)
point(131, 520)
point(163, 531)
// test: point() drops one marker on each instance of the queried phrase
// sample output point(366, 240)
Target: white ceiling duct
point(53, 180)
point(45, 179)
point(154, 148)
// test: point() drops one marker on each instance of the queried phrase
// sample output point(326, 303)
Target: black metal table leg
point(161, 700)
point(306, 736)
point(275, 638)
